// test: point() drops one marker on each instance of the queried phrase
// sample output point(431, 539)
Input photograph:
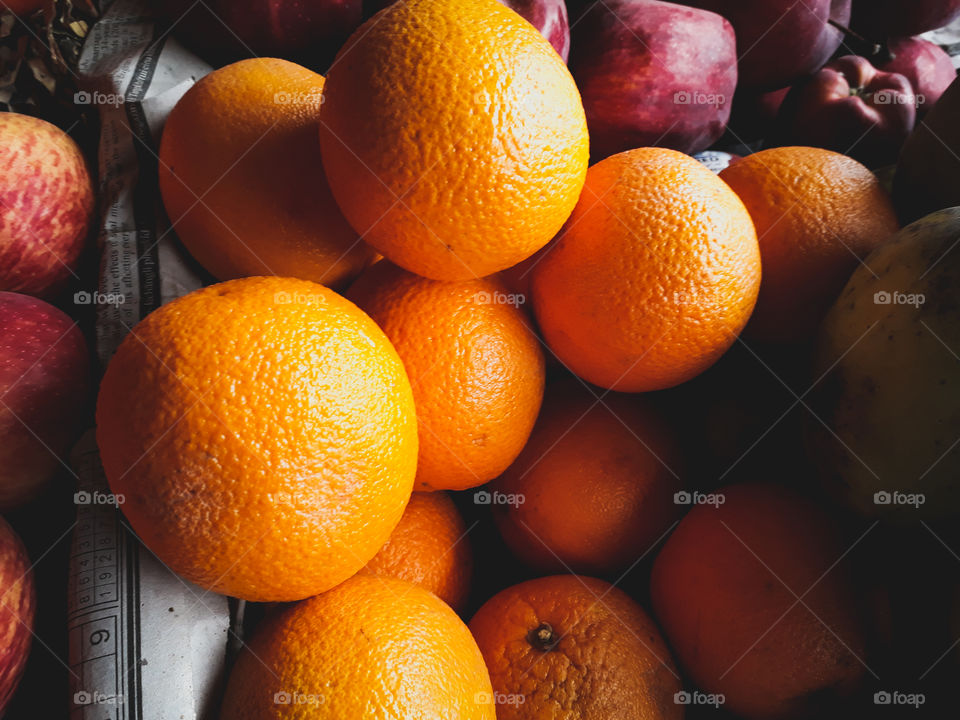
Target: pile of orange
point(405, 244)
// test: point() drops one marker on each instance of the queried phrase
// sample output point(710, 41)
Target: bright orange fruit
point(453, 137)
point(429, 547)
point(817, 214)
point(653, 277)
point(575, 647)
point(242, 180)
point(376, 648)
point(262, 435)
point(475, 365)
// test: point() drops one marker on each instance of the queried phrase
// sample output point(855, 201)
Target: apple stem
point(876, 48)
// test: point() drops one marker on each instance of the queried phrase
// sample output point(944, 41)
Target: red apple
point(653, 73)
point(852, 108)
point(16, 611)
point(780, 41)
point(925, 64)
point(23, 8)
point(881, 19)
point(46, 201)
point(44, 376)
point(309, 31)
point(547, 16)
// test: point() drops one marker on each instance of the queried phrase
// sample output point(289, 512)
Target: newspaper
point(143, 643)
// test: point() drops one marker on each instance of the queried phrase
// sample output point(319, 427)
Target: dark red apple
point(221, 31)
point(46, 201)
point(44, 380)
point(780, 41)
point(547, 16)
point(653, 73)
point(851, 107)
point(882, 19)
point(925, 64)
point(16, 611)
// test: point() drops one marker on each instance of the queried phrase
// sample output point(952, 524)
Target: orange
point(242, 180)
point(453, 137)
point(373, 648)
point(755, 603)
point(261, 437)
point(597, 481)
point(476, 369)
point(569, 647)
point(429, 547)
point(654, 276)
point(817, 213)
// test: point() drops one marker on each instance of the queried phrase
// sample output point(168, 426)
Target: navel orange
point(261, 434)
point(575, 647)
point(475, 366)
point(453, 137)
point(373, 648)
point(654, 276)
point(242, 180)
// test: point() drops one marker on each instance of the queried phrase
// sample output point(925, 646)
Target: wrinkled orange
point(653, 277)
point(476, 369)
point(430, 548)
point(569, 647)
point(597, 483)
point(817, 214)
point(374, 648)
point(262, 435)
point(453, 137)
point(242, 180)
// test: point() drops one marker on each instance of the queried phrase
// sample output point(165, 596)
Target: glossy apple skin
point(307, 31)
point(851, 107)
point(46, 203)
point(44, 383)
point(653, 73)
point(882, 19)
point(547, 16)
point(16, 611)
point(926, 65)
point(780, 41)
